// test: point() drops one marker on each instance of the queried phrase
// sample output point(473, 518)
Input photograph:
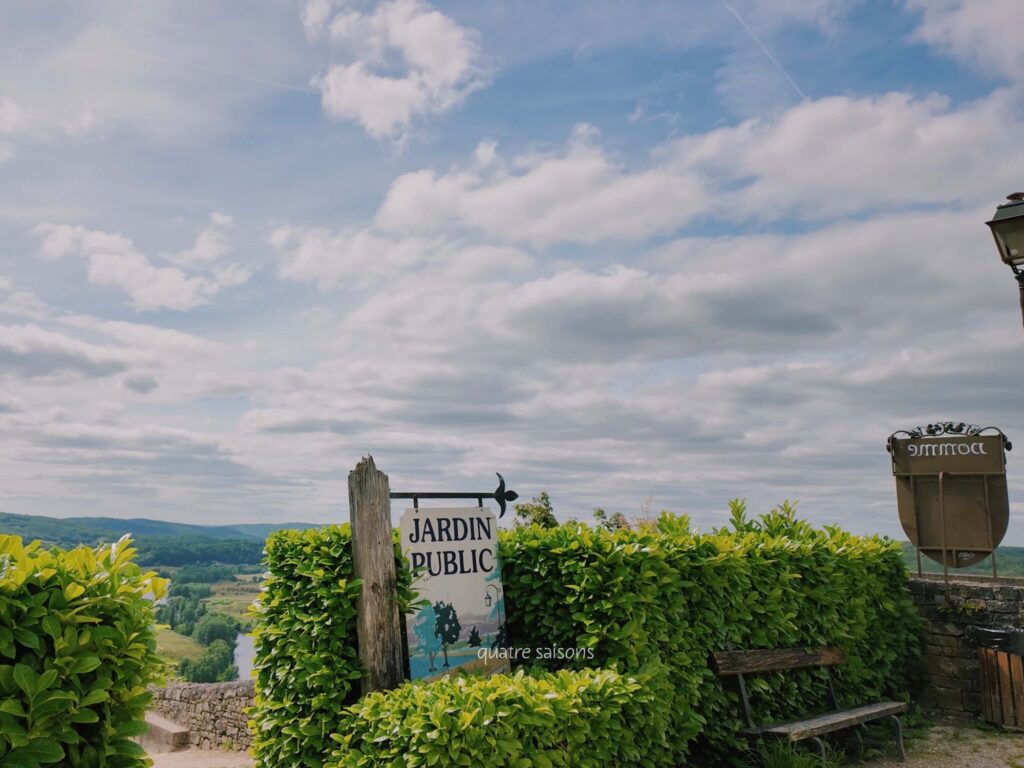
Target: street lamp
point(487, 594)
point(1008, 229)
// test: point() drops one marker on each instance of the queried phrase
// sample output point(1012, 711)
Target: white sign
point(454, 557)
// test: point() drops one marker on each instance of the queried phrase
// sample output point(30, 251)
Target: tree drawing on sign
point(425, 630)
point(446, 627)
point(500, 639)
point(474, 638)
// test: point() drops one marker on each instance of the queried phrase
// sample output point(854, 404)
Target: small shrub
point(77, 650)
point(587, 719)
point(215, 665)
point(181, 613)
point(216, 626)
point(194, 591)
point(306, 664)
point(785, 754)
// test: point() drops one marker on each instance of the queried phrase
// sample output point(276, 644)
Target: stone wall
point(214, 713)
point(952, 678)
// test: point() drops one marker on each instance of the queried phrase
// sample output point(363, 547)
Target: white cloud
point(838, 156)
point(407, 60)
point(13, 121)
point(332, 259)
point(579, 194)
point(82, 124)
point(212, 244)
point(141, 383)
point(120, 74)
point(821, 159)
point(114, 261)
point(824, 14)
point(31, 351)
point(315, 15)
point(982, 33)
point(13, 118)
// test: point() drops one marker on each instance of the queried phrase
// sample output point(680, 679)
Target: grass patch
point(784, 754)
point(174, 647)
point(233, 598)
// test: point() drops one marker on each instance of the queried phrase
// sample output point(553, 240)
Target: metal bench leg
point(898, 727)
point(821, 748)
point(858, 732)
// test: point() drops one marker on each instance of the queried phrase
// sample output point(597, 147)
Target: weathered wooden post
point(378, 627)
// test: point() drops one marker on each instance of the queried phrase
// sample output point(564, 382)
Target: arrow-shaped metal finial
point(502, 496)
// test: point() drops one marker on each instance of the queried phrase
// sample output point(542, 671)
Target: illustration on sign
point(454, 557)
point(951, 490)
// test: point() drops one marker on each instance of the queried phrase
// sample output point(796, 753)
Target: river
point(244, 653)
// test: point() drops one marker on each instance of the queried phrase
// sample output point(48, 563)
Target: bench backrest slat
point(774, 660)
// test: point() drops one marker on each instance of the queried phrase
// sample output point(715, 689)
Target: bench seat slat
point(795, 730)
point(774, 660)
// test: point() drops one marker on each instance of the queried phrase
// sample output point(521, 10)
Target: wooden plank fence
point(1002, 687)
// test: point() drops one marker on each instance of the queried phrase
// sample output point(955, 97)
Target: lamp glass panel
point(1009, 234)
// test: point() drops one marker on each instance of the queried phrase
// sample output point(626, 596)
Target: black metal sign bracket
point(499, 494)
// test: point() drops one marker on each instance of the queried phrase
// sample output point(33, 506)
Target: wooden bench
point(735, 663)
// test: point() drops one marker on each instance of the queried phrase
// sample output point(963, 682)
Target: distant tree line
point(219, 633)
point(181, 613)
point(191, 575)
point(540, 512)
point(190, 550)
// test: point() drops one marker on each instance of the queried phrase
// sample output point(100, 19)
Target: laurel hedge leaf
point(77, 630)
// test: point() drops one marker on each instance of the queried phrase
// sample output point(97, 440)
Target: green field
point(233, 598)
point(174, 647)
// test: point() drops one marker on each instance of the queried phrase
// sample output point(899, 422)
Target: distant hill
point(158, 541)
point(70, 531)
point(1009, 562)
point(138, 527)
point(262, 530)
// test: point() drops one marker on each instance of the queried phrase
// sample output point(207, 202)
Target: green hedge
point(652, 604)
point(77, 650)
point(306, 663)
point(667, 594)
point(586, 719)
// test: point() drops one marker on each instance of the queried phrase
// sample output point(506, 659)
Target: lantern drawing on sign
point(497, 606)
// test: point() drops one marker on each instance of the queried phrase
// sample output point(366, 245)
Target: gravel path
point(967, 747)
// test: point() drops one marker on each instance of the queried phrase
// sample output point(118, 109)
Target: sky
point(639, 255)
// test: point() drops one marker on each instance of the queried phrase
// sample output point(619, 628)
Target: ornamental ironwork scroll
point(951, 490)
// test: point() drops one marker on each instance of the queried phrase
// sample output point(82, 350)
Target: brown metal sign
point(951, 490)
point(971, 454)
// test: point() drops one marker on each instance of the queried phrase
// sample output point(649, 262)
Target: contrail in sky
point(767, 53)
point(218, 71)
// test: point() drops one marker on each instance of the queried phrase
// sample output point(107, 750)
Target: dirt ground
point(964, 747)
point(945, 747)
point(196, 758)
